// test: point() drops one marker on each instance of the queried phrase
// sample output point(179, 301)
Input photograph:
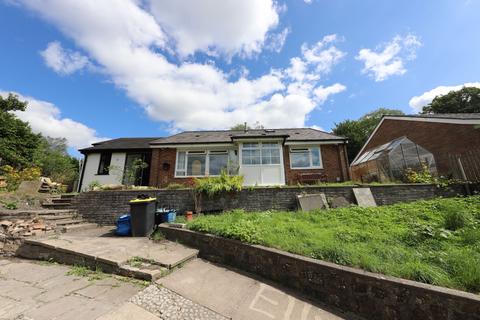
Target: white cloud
point(129, 44)
point(227, 26)
point(322, 57)
point(308, 1)
point(276, 41)
point(63, 61)
point(417, 102)
point(45, 118)
point(389, 59)
point(323, 93)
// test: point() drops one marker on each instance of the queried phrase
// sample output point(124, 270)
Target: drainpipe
point(80, 182)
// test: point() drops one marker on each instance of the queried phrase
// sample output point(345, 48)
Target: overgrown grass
point(435, 241)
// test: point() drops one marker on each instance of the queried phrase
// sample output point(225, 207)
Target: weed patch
point(435, 241)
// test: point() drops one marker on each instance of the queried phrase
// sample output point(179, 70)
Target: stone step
point(56, 205)
point(56, 212)
point(78, 227)
point(72, 216)
point(68, 195)
point(60, 200)
point(69, 222)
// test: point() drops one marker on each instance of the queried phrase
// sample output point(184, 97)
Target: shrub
point(94, 185)
point(10, 205)
point(222, 183)
point(176, 186)
point(15, 177)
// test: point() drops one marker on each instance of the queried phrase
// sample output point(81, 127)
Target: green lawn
point(435, 241)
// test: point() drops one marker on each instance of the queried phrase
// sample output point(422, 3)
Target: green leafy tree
point(17, 141)
point(358, 131)
point(52, 157)
point(465, 100)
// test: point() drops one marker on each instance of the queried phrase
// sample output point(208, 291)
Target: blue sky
point(105, 69)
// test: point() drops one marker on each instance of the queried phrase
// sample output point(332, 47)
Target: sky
point(94, 70)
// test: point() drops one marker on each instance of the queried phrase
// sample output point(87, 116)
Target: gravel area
point(169, 305)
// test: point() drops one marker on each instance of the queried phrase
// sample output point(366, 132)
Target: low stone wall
point(103, 207)
point(369, 295)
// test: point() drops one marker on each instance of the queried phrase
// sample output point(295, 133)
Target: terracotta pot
point(189, 215)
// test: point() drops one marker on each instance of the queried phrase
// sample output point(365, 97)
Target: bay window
point(260, 153)
point(305, 158)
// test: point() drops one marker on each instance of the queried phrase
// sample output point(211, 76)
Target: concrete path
point(32, 290)
point(239, 296)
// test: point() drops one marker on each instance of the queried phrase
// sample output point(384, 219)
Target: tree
point(52, 157)
point(243, 126)
point(465, 100)
point(358, 131)
point(17, 141)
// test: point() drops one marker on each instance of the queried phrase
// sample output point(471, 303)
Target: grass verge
point(435, 241)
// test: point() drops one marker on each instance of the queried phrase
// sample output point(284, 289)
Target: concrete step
point(140, 258)
point(56, 212)
point(78, 227)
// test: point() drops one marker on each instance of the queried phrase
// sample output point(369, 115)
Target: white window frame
point(260, 148)
point(309, 148)
point(207, 162)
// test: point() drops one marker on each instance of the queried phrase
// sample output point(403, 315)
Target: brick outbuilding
point(448, 137)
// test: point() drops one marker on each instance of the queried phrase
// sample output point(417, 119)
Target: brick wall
point(104, 207)
point(438, 138)
point(335, 167)
point(365, 294)
point(162, 172)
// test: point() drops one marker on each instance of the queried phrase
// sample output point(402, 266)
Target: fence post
point(464, 176)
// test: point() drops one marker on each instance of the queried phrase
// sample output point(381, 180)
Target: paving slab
point(33, 290)
point(129, 311)
point(240, 296)
point(364, 197)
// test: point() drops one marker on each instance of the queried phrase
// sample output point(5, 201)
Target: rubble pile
point(25, 227)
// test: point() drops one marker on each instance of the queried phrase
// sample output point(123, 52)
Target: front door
point(261, 163)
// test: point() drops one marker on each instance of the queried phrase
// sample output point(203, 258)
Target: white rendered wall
point(115, 175)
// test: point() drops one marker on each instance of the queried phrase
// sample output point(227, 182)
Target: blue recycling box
point(124, 226)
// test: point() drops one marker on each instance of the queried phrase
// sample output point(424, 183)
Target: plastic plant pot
point(189, 215)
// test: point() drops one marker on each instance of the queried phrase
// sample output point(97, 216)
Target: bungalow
point(262, 156)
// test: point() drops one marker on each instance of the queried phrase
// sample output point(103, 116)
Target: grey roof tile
point(226, 136)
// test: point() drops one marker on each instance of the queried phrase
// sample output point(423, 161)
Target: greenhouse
point(388, 162)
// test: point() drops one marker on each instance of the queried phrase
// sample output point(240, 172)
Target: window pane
point(180, 173)
point(104, 164)
point(217, 163)
point(196, 164)
point(300, 159)
point(250, 156)
point(315, 157)
point(181, 161)
point(250, 145)
point(275, 160)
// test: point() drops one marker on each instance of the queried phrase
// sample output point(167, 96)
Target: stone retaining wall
point(104, 207)
point(369, 295)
